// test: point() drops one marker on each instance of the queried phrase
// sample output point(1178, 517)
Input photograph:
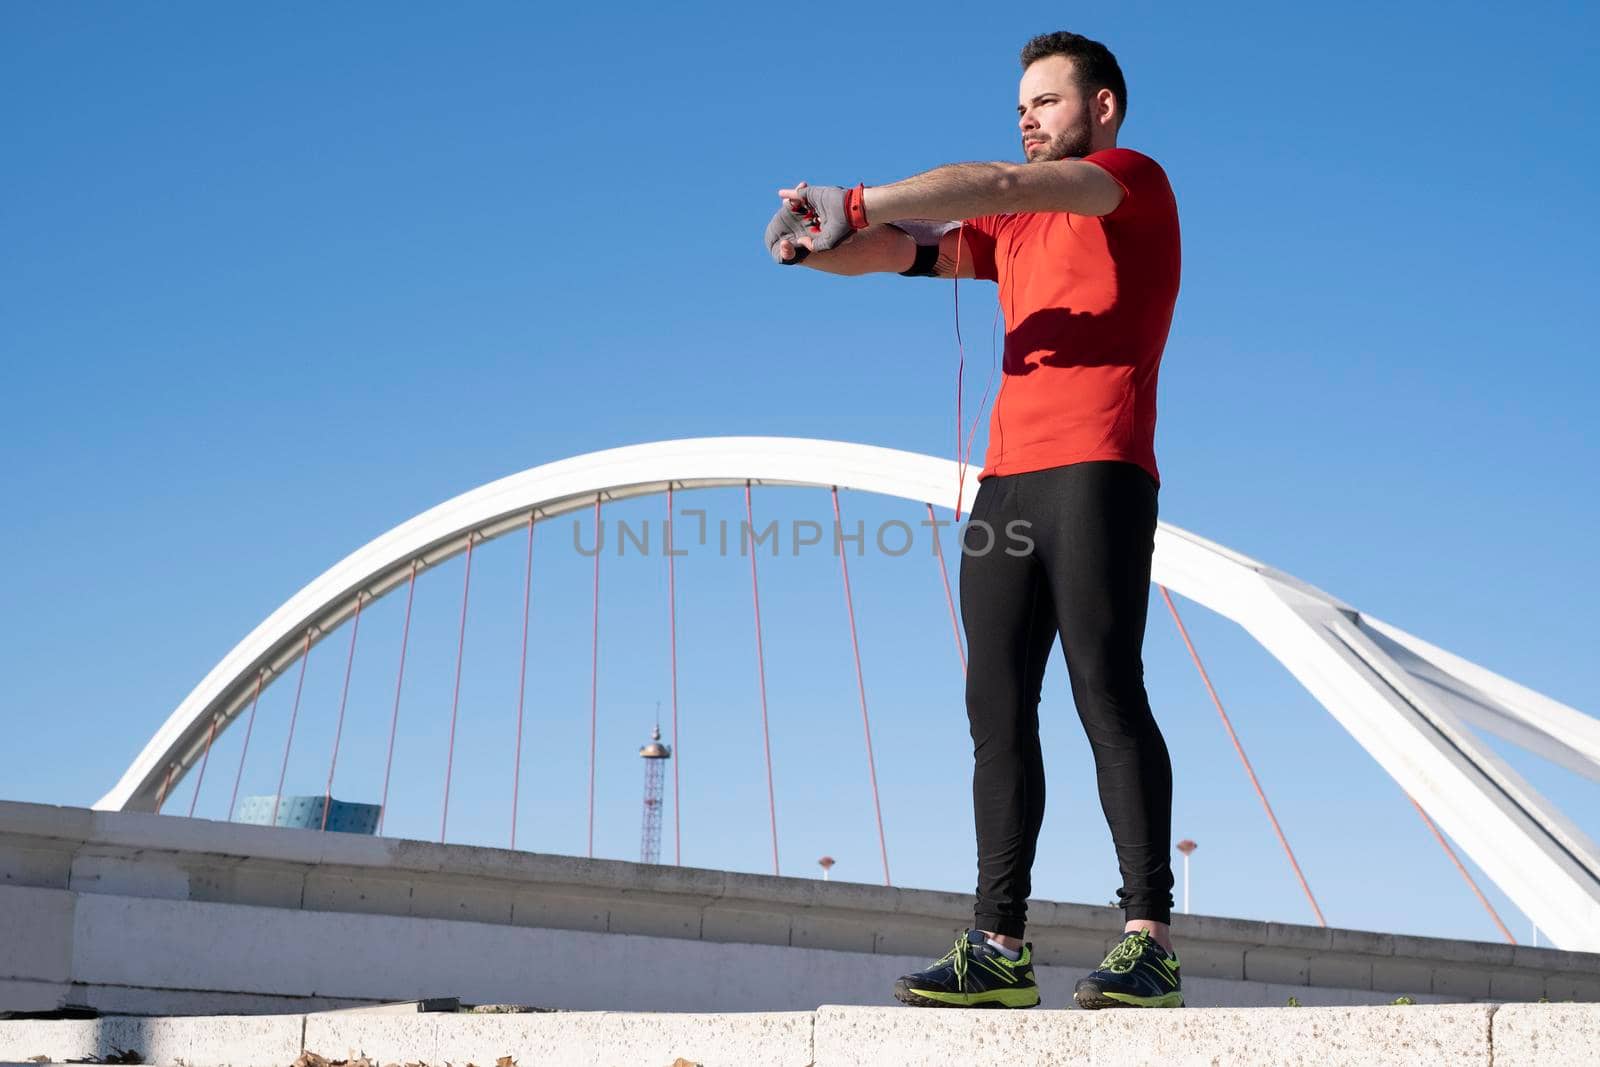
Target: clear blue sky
point(277, 278)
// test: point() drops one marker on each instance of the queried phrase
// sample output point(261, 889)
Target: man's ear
point(1106, 107)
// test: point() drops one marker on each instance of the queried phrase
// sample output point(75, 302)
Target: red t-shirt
point(1088, 303)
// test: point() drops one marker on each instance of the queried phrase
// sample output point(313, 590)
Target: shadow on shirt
point(1062, 337)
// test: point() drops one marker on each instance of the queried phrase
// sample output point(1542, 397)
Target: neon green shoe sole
point(992, 998)
point(1107, 999)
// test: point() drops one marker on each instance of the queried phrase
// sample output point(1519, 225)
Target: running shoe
point(1138, 973)
point(973, 974)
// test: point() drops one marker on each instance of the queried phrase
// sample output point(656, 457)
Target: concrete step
point(1507, 1035)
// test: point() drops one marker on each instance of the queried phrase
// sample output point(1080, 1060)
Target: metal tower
point(655, 756)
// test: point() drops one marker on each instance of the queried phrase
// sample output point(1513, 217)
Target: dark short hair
point(1093, 62)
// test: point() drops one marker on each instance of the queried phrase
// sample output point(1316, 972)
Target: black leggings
point(1086, 574)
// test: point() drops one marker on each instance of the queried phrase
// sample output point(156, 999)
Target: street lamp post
point(1186, 846)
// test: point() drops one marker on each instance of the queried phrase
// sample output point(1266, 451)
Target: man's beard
point(1069, 144)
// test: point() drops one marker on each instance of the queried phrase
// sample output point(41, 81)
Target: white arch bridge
point(1405, 701)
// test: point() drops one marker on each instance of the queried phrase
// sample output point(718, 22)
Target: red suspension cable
point(249, 728)
point(861, 685)
point(594, 670)
point(761, 674)
point(305, 657)
point(400, 677)
point(944, 573)
point(522, 682)
point(1204, 677)
point(166, 783)
point(1448, 851)
point(344, 697)
point(455, 696)
point(211, 737)
point(672, 621)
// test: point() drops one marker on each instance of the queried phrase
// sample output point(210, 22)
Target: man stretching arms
point(1083, 241)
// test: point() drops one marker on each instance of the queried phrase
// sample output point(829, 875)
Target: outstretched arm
point(874, 250)
point(968, 190)
point(840, 218)
point(881, 250)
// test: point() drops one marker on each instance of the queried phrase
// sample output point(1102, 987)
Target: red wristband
point(856, 208)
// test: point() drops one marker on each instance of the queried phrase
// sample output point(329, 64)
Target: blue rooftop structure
point(305, 813)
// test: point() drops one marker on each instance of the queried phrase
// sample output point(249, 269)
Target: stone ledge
point(200, 1041)
point(1535, 1035)
point(590, 1039)
point(1328, 1037)
point(1506, 1036)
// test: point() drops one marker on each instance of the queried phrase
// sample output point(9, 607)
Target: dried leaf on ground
point(311, 1059)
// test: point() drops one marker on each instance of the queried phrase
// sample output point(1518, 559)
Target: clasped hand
point(812, 218)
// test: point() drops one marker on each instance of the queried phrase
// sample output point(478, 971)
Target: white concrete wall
point(150, 914)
